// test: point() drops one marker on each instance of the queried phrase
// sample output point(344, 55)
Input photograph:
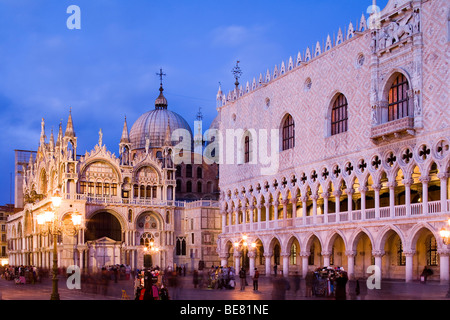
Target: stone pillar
point(285, 257)
point(304, 256)
point(224, 220)
point(237, 260)
point(337, 194)
point(304, 199)
point(444, 265)
point(363, 191)
point(409, 265)
point(424, 181)
point(350, 264)
point(314, 198)
point(377, 188)
point(268, 257)
point(325, 197)
point(252, 258)
point(275, 210)
point(224, 259)
point(350, 192)
point(378, 260)
point(326, 258)
point(408, 183)
point(392, 186)
point(258, 208)
point(443, 181)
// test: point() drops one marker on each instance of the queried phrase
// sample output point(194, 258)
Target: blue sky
point(107, 70)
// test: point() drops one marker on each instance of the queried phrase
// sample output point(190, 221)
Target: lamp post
point(445, 235)
point(49, 223)
point(242, 245)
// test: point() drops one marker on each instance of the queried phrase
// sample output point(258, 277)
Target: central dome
point(154, 124)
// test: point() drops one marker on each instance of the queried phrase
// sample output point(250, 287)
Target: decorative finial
point(237, 72)
point(199, 114)
point(161, 75)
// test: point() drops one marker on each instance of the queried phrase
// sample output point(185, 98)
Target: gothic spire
point(125, 137)
point(70, 132)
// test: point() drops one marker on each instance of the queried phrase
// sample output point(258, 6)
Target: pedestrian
point(309, 279)
point(255, 279)
point(425, 274)
point(341, 283)
point(195, 278)
point(242, 276)
point(296, 282)
point(279, 287)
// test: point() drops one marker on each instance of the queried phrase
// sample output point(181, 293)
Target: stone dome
point(154, 124)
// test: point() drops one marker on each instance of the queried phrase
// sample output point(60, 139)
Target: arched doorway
point(149, 233)
point(103, 224)
point(104, 239)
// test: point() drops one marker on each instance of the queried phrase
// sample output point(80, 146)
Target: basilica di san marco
point(138, 209)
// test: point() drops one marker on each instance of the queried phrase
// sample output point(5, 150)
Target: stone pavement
point(390, 290)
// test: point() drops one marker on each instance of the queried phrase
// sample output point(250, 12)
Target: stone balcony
point(355, 216)
point(393, 129)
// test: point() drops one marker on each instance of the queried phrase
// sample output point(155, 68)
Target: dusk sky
point(107, 69)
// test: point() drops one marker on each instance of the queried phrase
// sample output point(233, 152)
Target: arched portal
point(103, 224)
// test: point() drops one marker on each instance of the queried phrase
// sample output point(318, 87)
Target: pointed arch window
point(248, 148)
point(288, 133)
point(339, 115)
point(432, 255)
point(401, 258)
point(398, 104)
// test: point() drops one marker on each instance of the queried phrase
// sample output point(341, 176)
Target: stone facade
point(129, 203)
point(395, 171)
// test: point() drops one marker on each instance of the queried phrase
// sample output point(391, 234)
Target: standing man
point(242, 276)
point(255, 280)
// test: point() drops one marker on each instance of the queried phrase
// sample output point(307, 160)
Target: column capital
point(408, 182)
point(444, 252)
point(337, 193)
point(392, 185)
point(325, 253)
point(304, 198)
point(442, 175)
point(350, 253)
point(350, 191)
point(409, 253)
point(325, 195)
point(363, 189)
point(304, 254)
point(424, 179)
point(378, 253)
point(314, 197)
point(376, 187)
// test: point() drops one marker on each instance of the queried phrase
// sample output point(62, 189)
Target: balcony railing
point(400, 212)
point(119, 200)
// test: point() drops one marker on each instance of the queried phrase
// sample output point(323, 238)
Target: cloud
point(234, 35)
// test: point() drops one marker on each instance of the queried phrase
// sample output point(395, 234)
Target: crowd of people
point(327, 282)
point(215, 278)
point(23, 274)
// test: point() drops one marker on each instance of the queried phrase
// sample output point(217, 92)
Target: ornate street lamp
point(151, 247)
point(242, 245)
point(445, 234)
point(50, 225)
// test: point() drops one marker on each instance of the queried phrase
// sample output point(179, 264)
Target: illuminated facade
point(361, 152)
point(130, 204)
